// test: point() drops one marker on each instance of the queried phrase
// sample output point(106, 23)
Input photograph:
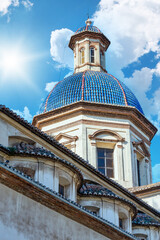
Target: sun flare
point(12, 62)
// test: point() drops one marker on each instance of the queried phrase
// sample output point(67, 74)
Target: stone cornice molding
point(91, 65)
point(98, 109)
point(84, 34)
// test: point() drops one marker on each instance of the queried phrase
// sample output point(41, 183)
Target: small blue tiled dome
point(89, 28)
point(90, 86)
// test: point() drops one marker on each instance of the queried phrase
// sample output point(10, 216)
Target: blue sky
point(38, 31)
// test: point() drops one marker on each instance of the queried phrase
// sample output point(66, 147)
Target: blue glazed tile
point(98, 87)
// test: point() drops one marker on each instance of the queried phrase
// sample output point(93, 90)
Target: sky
point(34, 53)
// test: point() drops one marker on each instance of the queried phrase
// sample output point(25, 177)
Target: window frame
point(61, 187)
point(82, 58)
point(138, 173)
point(101, 57)
point(92, 56)
point(105, 161)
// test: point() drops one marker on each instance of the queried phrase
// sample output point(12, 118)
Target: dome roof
point(88, 28)
point(90, 86)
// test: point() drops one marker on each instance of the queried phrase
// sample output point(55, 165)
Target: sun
point(12, 62)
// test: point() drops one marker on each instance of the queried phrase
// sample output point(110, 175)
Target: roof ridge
point(124, 94)
point(83, 79)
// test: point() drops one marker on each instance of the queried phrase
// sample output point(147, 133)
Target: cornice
point(94, 35)
point(146, 189)
point(99, 109)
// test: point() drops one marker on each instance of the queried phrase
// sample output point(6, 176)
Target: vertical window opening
point(61, 189)
point(101, 58)
point(82, 56)
point(138, 173)
point(92, 55)
point(121, 223)
point(105, 161)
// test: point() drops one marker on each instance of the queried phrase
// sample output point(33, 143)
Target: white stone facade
point(111, 133)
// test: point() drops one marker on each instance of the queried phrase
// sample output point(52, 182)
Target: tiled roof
point(145, 188)
point(50, 140)
point(24, 149)
point(90, 86)
point(96, 190)
point(89, 28)
point(144, 219)
point(56, 194)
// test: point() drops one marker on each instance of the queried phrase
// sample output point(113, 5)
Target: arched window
point(105, 161)
point(92, 55)
point(82, 57)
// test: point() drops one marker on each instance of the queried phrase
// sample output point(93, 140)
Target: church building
point(82, 169)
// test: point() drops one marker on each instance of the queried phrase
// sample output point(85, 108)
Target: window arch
point(82, 55)
point(92, 55)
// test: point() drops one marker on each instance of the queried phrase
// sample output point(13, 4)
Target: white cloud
point(157, 69)
point(25, 114)
point(140, 83)
point(49, 86)
point(68, 74)
point(6, 4)
point(59, 47)
point(28, 4)
point(156, 173)
point(133, 28)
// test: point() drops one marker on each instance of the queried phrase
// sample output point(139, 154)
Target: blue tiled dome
point(89, 28)
point(90, 86)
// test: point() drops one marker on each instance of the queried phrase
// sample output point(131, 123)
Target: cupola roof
point(90, 86)
point(88, 27)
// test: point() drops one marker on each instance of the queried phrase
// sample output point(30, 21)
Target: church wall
point(145, 163)
point(4, 133)
point(153, 199)
point(48, 173)
point(149, 232)
point(109, 209)
point(8, 131)
point(125, 165)
point(23, 218)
